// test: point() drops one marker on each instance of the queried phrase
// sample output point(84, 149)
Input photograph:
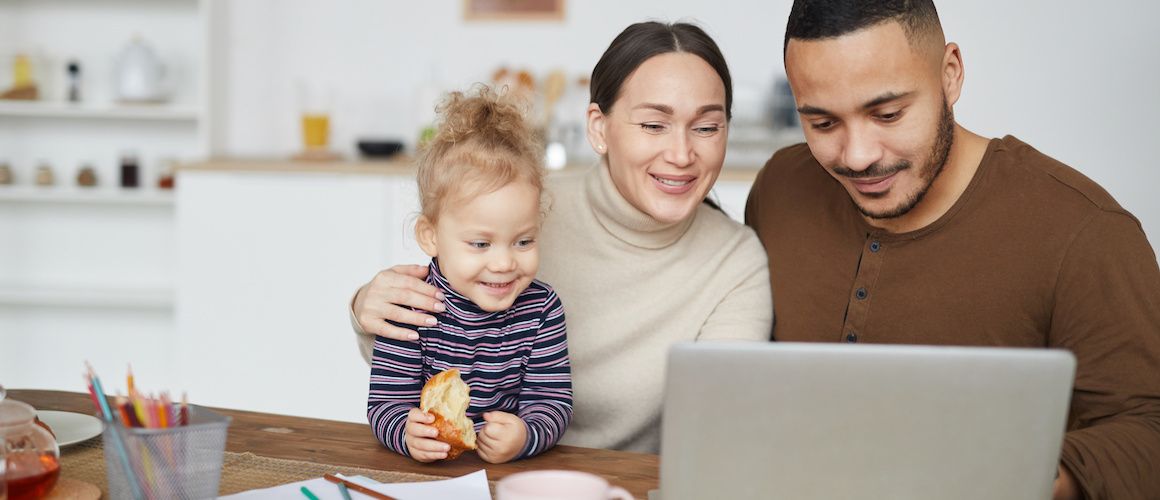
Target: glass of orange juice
point(314, 109)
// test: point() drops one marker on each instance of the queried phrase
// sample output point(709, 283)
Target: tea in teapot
point(30, 452)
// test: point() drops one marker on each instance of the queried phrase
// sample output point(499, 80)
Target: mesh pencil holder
point(183, 462)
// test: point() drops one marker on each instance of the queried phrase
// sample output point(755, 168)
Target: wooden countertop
point(392, 167)
point(353, 445)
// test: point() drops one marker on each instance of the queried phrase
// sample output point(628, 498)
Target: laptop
point(835, 421)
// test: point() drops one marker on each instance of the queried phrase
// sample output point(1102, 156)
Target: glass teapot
point(31, 456)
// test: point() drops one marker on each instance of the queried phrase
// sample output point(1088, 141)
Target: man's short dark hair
point(820, 19)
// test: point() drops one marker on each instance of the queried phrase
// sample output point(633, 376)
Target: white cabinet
point(84, 275)
point(268, 261)
point(88, 274)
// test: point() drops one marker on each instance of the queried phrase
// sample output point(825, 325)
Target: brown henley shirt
point(1033, 254)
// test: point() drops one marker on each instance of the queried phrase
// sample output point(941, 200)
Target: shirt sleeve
point(1107, 312)
point(395, 386)
point(746, 312)
point(546, 394)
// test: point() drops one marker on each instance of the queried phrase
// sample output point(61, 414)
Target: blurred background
point(197, 187)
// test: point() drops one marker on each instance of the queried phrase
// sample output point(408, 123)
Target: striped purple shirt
point(514, 361)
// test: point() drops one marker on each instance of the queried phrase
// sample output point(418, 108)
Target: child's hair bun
point(484, 115)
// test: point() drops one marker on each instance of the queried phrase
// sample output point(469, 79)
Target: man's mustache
point(874, 170)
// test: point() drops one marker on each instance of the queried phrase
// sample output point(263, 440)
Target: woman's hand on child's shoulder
point(502, 438)
point(420, 437)
point(388, 297)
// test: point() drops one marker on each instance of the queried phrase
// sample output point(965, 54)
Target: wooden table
point(353, 445)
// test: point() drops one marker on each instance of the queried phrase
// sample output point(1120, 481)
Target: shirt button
point(860, 293)
point(851, 337)
point(874, 246)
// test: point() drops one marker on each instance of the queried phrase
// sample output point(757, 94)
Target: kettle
point(140, 74)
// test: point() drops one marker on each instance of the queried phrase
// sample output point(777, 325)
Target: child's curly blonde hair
point(483, 143)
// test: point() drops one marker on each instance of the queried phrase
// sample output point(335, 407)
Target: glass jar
point(31, 455)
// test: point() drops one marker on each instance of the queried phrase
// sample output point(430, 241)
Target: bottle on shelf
point(130, 171)
point(74, 81)
point(5, 173)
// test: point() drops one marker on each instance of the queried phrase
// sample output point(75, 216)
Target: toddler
point(480, 180)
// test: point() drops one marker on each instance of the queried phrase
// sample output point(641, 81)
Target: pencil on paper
point(358, 487)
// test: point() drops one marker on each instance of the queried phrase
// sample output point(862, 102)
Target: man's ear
point(596, 121)
point(425, 235)
point(952, 73)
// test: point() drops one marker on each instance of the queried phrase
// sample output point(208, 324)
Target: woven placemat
point(240, 471)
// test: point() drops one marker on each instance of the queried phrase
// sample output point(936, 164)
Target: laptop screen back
point(784, 420)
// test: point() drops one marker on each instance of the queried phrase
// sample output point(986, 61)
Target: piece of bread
point(447, 397)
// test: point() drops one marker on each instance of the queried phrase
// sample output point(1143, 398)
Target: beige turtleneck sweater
point(631, 287)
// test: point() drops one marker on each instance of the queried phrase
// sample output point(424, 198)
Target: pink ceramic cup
point(558, 485)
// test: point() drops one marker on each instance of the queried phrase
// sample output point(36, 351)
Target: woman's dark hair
point(640, 42)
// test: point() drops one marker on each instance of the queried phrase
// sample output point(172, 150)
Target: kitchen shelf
point(99, 298)
point(82, 196)
point(145, 112)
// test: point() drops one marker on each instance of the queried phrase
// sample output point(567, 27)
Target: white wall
point(1075, 79)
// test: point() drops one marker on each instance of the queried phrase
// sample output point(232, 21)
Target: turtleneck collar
point(457, 304)
point(624, 221)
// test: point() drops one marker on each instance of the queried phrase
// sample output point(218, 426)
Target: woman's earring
point(601, 148)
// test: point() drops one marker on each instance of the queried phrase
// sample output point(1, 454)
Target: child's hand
point(502, 437)
point(420, 437)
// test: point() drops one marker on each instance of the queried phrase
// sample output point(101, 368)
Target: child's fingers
point(485, 449)
point(418, 429)
point(500, 417)
point(421, 431)
point(420, 416)
point(427, 450)
point(428, 456)
point(491, 455)
point(492, 431)
point(482, 439)
point(424, 456)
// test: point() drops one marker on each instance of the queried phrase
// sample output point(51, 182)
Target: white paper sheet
point(470, 487)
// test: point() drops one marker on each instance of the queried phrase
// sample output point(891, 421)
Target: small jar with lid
point(87, 176)
point(30, 451)
point(167, 174)
point(44, 175)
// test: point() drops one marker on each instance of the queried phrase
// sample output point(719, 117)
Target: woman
point(638, 259)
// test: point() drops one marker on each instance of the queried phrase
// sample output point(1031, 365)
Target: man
point(894, 224)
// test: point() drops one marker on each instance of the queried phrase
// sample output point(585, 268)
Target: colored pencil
point(309, 494)
point(162, 422)
point(358, 487)
point(183, 414)
point(103, 404)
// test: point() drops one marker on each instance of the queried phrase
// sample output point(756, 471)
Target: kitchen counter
point(393, 167)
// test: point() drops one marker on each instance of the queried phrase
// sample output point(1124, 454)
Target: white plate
point(69, 427)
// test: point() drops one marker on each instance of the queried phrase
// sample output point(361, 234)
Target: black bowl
point(379, 148)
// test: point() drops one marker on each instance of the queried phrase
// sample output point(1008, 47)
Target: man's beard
point(930, 171)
